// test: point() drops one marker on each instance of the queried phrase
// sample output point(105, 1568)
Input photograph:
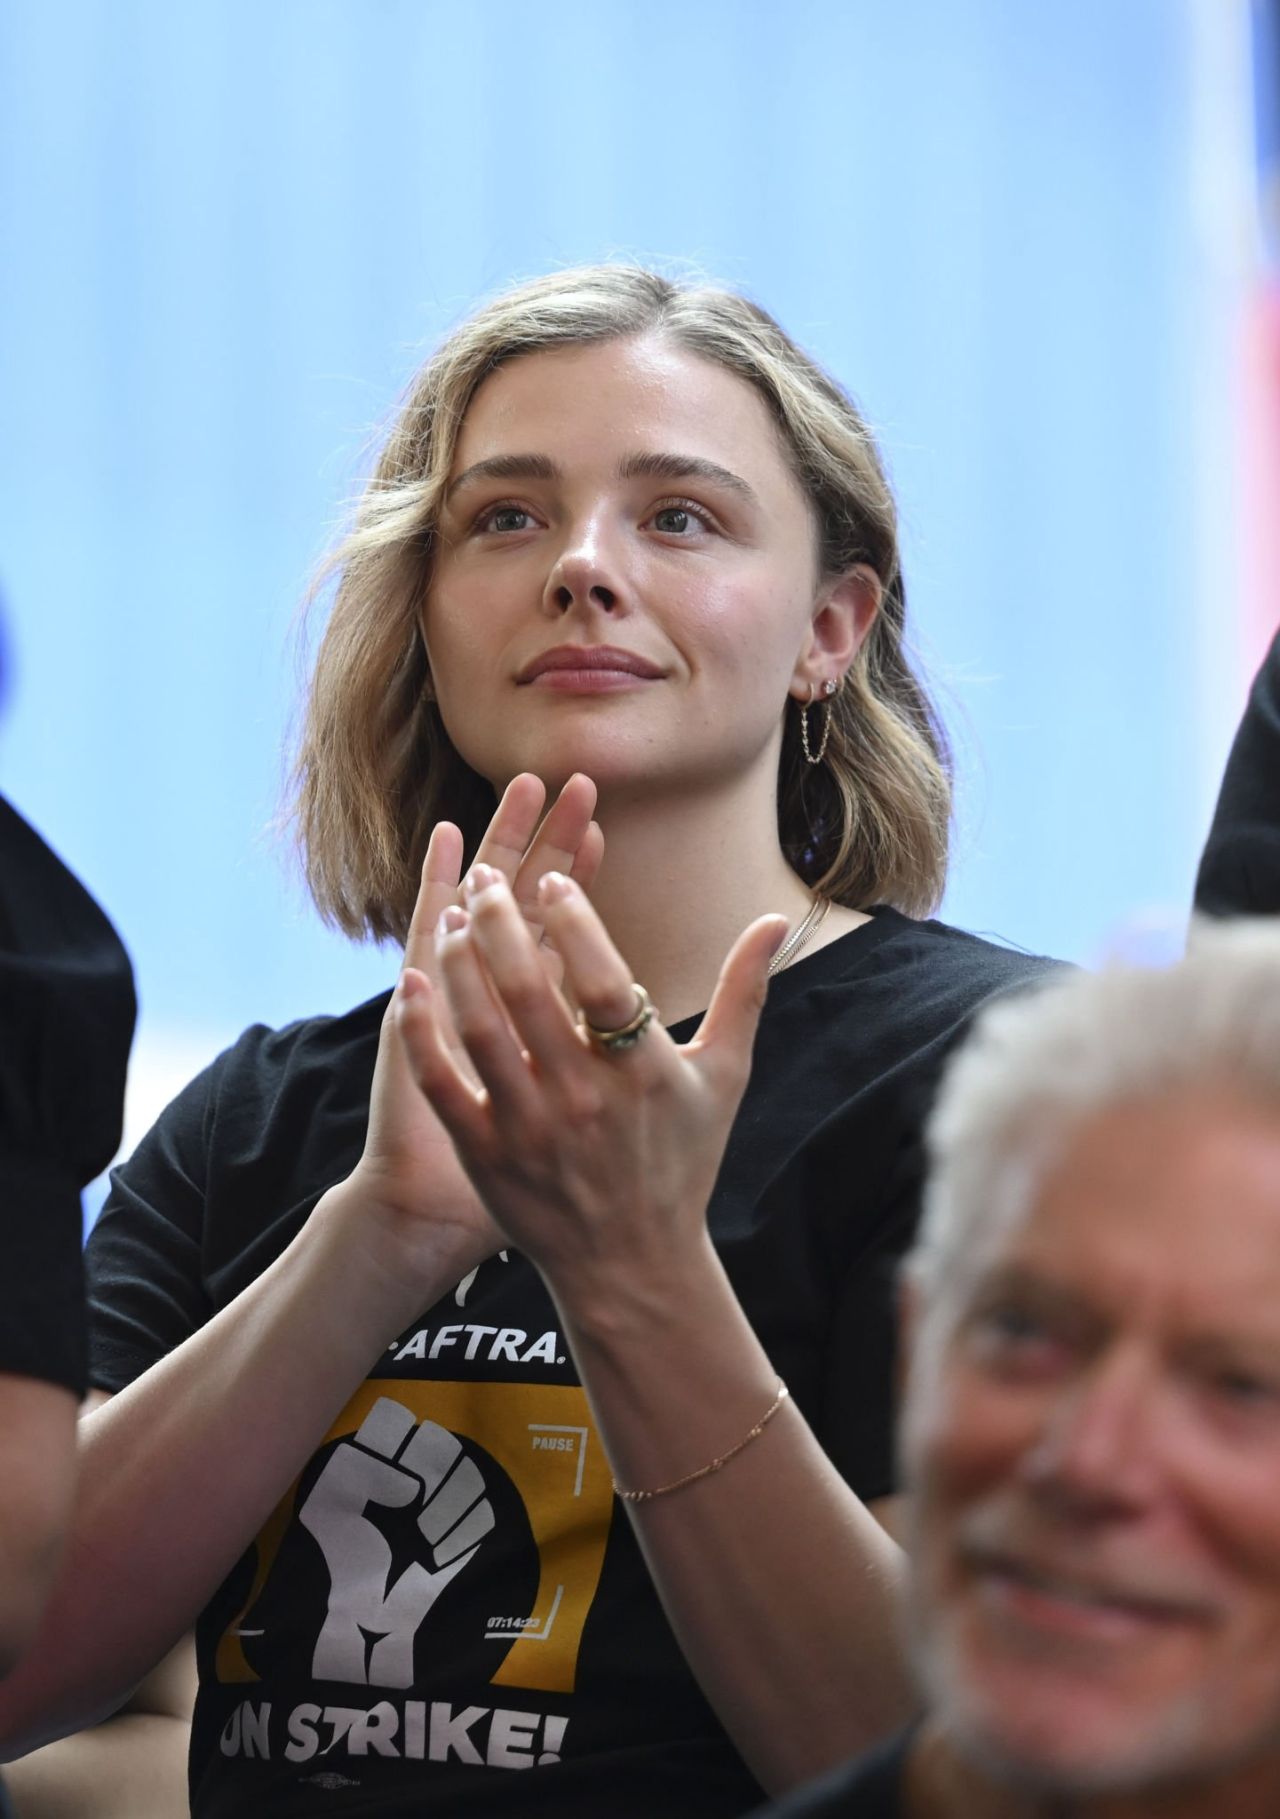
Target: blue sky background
point(230, 230)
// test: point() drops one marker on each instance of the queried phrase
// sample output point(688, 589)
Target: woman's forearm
point(780, 1585)
point(131, 1767)
point(37, 1490)
point(181, 1469)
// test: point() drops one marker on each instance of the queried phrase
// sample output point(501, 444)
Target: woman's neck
point(682, 878)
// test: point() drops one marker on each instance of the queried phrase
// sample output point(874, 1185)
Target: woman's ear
point(844, 614)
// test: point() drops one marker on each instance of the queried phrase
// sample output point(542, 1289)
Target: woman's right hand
point(409, 1187)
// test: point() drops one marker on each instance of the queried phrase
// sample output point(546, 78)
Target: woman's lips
point(589, 681)
point(588, 668)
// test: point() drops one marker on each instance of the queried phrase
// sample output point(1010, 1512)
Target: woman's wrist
point(675, 1374)
point(393, 1263)
point(622, 1300)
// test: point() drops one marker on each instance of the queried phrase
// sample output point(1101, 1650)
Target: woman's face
point(626, 575)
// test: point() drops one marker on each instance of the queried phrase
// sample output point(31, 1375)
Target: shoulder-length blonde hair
point(375, 769)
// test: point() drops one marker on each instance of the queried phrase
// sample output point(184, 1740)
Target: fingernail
point(452, 920)
point(412, 985)
point(480, 878)
point(555, 887)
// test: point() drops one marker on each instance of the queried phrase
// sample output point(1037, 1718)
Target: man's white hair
point(1037, 1065)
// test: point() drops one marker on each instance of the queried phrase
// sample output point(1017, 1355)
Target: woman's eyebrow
point(650, 466)
point(683, 467)
point(506, 467)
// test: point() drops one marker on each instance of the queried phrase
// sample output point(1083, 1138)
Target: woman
point(630, 552)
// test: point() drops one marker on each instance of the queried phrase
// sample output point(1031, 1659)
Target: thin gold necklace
point(800, 938)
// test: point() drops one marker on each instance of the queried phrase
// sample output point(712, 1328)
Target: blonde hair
point(375, 769)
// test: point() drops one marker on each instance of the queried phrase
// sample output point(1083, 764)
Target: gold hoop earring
point(810, 756)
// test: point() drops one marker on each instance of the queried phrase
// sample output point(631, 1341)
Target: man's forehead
point(1178, 1197)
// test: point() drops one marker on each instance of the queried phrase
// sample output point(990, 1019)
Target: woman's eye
point(504, 518)
point(677, 520)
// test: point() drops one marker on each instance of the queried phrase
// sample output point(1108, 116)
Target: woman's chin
point(615, 770)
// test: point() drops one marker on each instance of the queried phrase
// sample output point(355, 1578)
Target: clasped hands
point(594, 1164)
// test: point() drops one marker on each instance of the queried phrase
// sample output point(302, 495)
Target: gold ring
point(612, 1042)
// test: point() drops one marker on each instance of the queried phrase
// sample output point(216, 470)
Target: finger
point(439, 885)
point(517, 974)
point(505, 840)
point(590, 855)
point(556, 845)
point(514, 824)
point(594, 971)
point(417, 1026)
point(479, 1016)
point(725, 1037)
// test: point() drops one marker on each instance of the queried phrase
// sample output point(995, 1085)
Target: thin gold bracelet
point(705, 1471)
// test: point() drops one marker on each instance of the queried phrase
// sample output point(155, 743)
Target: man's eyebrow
point(1045, 1294)
point(506, 467)
point(684, 467)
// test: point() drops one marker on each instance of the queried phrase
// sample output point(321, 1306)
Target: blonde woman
point(502, 1370)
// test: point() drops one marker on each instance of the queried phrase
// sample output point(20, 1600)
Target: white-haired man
point(1091, 1431)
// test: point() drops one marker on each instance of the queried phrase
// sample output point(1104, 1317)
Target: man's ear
point(843, 616)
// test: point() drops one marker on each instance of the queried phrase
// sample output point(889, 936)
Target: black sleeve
point(145, 1254)
point(66, 1022)
point(1240, 868)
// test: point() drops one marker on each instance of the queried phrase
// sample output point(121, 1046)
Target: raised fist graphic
point(369, 1629)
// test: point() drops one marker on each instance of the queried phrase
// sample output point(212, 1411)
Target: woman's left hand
point(598, 1165)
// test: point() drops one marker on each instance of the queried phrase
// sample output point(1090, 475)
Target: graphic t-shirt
point(448, 1612)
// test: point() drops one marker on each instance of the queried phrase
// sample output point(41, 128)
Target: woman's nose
point(567, 595)
point(586, 574)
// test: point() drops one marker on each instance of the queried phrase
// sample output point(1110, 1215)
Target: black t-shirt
point(870, 1788)
point(449, 1592)
point(66, 1022)
point(1240, 868)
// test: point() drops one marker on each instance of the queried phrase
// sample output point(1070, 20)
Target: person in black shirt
point(1239, 871)
point(382, 1342)
point(1091, 1430)
point(66, 1022)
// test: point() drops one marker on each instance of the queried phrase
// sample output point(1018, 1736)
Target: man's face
point(1092, 1436)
